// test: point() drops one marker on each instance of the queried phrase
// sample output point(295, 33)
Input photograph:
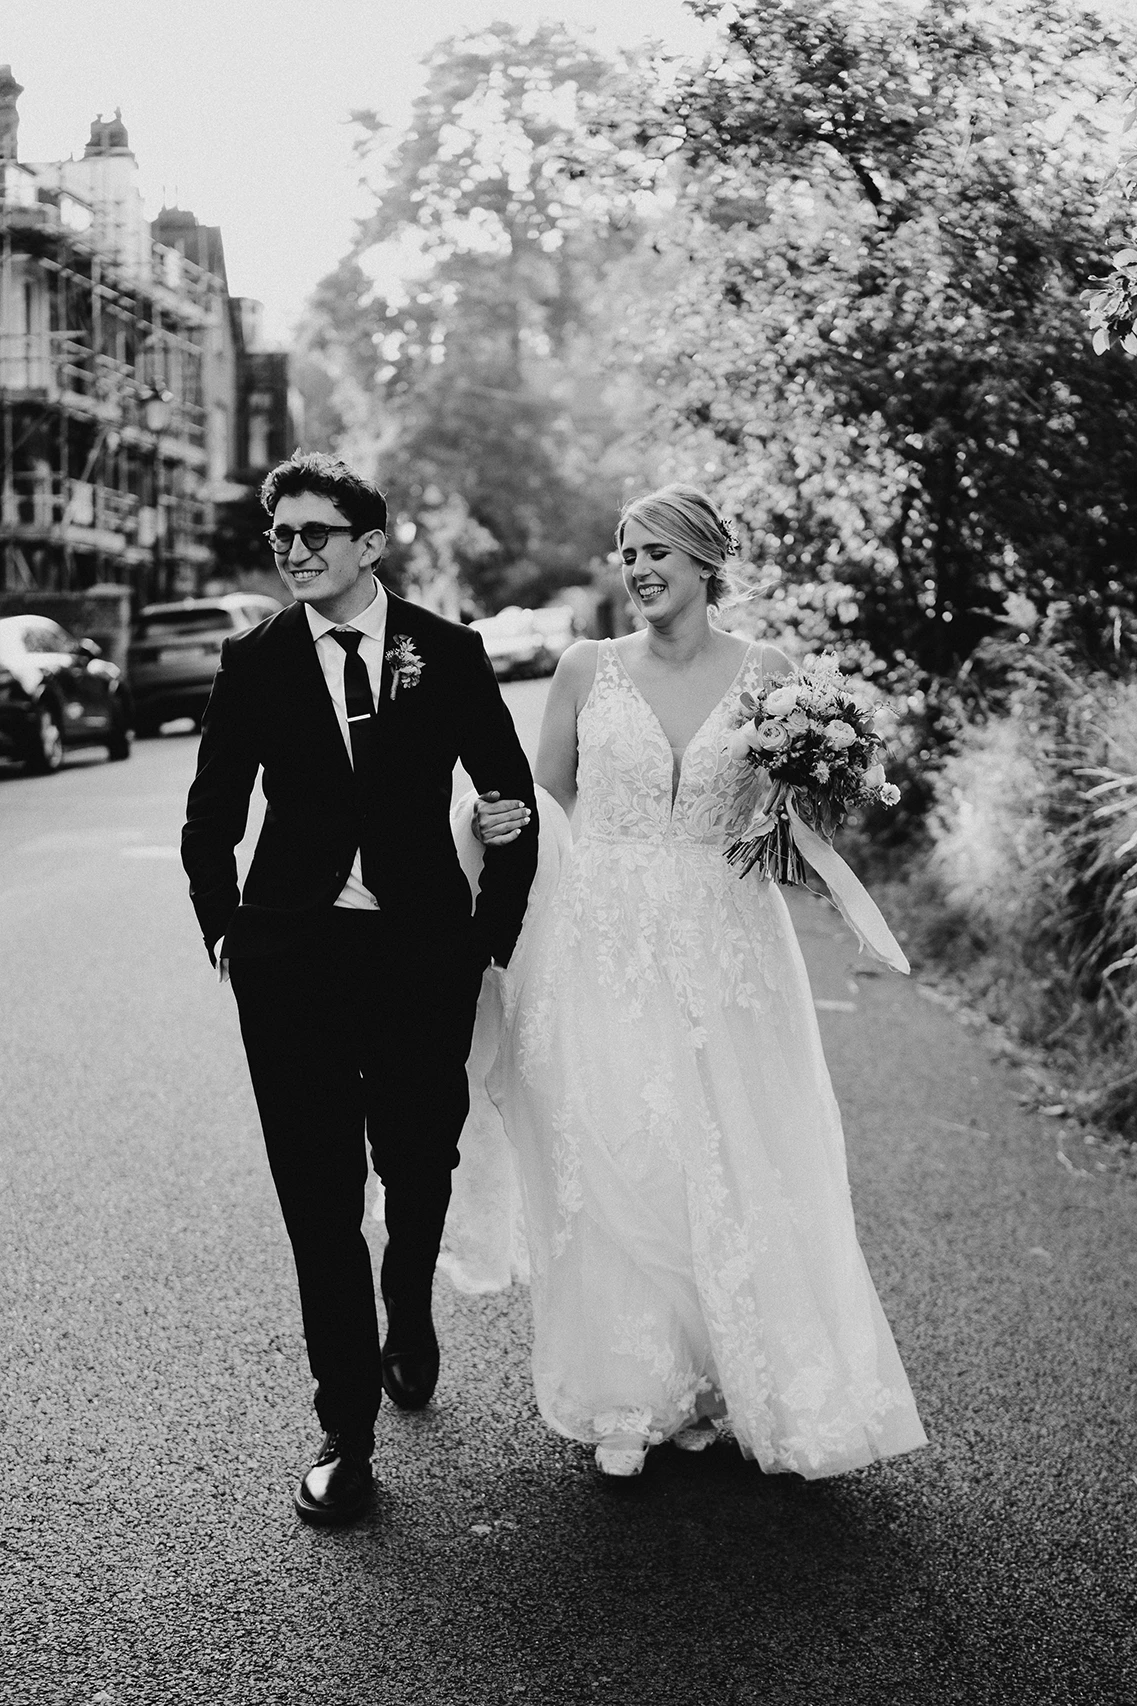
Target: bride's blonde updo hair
point(685, 518)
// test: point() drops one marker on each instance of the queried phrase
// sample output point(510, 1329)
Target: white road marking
point(955, 1125)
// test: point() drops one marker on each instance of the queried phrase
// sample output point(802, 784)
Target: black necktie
point(361, 730)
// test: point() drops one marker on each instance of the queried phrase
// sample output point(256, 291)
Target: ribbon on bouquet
point(849, 895)
point(782, 842)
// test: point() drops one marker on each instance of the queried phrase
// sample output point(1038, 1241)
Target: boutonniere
point(406, 665)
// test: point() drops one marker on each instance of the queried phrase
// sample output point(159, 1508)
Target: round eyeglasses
point(313, 536)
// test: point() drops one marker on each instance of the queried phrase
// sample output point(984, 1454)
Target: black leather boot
point(410, 1355)
point(339, 1483)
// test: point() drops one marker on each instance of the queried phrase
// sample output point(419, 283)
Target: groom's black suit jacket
point(270, 708)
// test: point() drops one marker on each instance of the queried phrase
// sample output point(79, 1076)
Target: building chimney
point(106, 178)
point(108, 136)
point(10, 92)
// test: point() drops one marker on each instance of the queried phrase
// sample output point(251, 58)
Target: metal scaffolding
point(103, 421)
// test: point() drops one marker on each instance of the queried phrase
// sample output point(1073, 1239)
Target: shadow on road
point(709, 1581)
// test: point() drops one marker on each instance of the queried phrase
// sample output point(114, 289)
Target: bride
point(695, 1265)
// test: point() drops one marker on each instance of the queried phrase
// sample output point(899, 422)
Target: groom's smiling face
point(338, 578)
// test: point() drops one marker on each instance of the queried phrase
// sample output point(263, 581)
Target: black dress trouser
point(361, 1027)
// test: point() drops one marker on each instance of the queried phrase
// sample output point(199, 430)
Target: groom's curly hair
point(359, 502)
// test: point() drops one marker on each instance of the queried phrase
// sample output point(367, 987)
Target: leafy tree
point(477, 388)
point(871, 341)
point(1113, 304)
point(335, 361)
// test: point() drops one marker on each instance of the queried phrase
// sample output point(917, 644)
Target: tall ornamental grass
point(1029, 889)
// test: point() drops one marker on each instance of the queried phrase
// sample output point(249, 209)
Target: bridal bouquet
point(820, 750)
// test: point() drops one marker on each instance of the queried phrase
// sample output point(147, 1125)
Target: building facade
point(132, 400)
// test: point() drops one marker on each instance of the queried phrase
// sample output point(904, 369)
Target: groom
point(352, 951)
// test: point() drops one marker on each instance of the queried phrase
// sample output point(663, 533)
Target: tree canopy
point(477, 385)
point(834, 274)
point(874, 342)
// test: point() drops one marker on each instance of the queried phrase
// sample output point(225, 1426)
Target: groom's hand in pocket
point(498, 821)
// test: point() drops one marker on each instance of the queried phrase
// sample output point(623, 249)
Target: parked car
point(556, 625)
point(174, 651)
point(525, 642)
point(57, 692)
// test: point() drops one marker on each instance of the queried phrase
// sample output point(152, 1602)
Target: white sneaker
point(621, 1454)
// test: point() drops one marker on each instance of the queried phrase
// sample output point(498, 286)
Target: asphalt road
point(154, 1401)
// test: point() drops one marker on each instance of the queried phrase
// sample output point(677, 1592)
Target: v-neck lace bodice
point(625, 766)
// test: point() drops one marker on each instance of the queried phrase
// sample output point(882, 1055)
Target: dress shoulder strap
point(768, 660)
point(603, 665)
point(607, 662)
point(749, 678)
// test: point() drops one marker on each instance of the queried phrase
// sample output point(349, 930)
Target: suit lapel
point(390, 713)
point(387, 674)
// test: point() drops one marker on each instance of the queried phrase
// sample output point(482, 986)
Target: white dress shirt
point(372, 624)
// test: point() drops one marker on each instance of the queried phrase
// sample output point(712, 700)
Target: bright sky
point(238, 109)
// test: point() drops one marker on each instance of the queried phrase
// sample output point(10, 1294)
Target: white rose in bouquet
point(840, 734)
point(772, 736)
point(781, 701)
point(874, 776)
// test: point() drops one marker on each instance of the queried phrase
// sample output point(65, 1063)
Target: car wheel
point(120, 738)
point(46, 751)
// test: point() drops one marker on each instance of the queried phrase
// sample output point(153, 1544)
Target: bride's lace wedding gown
point(691, 1238)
